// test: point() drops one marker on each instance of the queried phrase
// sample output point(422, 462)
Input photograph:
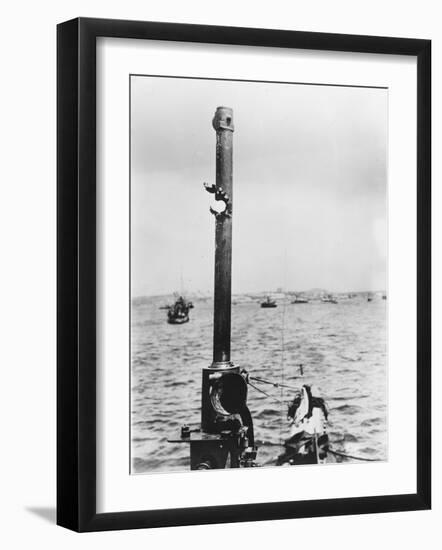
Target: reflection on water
point(341, 346)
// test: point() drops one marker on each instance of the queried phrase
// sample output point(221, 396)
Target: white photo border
point(117, 490)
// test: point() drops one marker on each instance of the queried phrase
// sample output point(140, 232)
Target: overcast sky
point(309, 180)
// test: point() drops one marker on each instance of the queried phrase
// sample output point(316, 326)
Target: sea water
point(342, 349)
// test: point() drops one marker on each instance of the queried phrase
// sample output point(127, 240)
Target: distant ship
point(329, 299)
point(299, 300)
point(179, 312)
point(369, 298)
point(269, 303)
point(384, 296)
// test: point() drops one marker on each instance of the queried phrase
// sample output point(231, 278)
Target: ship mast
point(225, 436)
point(223, 126)
point(222, 189)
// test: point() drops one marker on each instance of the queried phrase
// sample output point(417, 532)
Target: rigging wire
point(275, 384)
point(331, 451)
point(344, 455)
point(265, 393)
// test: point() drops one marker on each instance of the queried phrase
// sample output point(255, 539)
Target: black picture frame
point(76, 273)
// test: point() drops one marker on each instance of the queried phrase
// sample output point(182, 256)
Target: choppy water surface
point(342, 347)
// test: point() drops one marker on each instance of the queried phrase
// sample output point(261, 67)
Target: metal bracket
point(220, 195)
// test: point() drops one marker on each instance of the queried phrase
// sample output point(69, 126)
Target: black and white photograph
point(217, 279)
point(258, 274)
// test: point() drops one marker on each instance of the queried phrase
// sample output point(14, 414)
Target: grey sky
point(310, 185)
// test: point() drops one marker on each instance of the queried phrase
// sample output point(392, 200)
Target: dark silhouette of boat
point(178, 314)
point(269, 303)
point(384, 296)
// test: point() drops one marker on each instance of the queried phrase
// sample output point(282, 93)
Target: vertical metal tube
point(223, 125)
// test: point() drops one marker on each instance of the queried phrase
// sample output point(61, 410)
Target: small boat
point(299, 300)
point(369, 298)
point(329, 299)
point(269, 303)
point(177, 319)
point(384, 296)
point(179, 312)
